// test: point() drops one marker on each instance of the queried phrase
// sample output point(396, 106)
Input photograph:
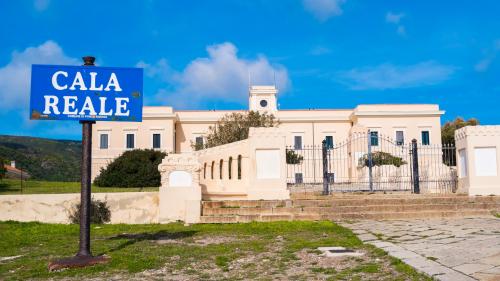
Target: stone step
point(393, 201)
point(351, 209)
point(404, 208)
point(329, 201)
point(344, 216)
point(247, 203)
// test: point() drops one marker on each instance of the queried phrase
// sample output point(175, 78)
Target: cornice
point(399, 113)
point(488, 130)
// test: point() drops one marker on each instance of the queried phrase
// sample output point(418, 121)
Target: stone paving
point(447, 249)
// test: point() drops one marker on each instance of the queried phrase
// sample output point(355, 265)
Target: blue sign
point(61, 92)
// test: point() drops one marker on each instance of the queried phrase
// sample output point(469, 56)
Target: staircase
point(347, 207)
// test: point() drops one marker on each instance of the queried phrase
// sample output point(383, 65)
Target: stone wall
point(251, 169)
point(125, 207)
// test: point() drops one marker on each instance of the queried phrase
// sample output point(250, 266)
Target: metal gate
point(371, 162)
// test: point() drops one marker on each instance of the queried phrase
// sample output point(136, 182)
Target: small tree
point(449, 128)
point(134, 168)
point(235, 127)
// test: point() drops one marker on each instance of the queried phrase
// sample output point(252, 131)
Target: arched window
point(212, 170)
point(205, 171)
point(239, 167)
point(230, 167)
point(221, 164)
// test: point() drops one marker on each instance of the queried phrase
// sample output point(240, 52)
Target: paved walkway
point(447, 249)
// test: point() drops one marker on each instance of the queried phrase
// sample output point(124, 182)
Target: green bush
point(134, 168)
point(380, 158)
point(293, 158)
point(99, 212)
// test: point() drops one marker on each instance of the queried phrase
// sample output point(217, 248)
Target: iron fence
point(371, 162)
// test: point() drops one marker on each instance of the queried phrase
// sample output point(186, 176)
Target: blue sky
point(323, 53)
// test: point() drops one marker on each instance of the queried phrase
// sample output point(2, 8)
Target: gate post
point(416, 177)
point(326, 188)
point(370, 161)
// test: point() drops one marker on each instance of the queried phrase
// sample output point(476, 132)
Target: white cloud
point(323, 9)
point(389, 76)
point(222, 75)
point(485, 63)
point(16, 75)
point(41, 5)
point(393, 18)
point(160, 69)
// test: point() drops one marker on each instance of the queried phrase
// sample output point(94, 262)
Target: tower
point(263, 98)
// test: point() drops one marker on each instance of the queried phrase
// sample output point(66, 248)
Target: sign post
point(85, 193)
point(88, 94)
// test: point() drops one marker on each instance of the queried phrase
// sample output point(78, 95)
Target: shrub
point(134, 168)
point(380, 158)
point(99, 212)
point(293, 158)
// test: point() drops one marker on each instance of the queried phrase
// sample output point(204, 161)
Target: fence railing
point(372, 163)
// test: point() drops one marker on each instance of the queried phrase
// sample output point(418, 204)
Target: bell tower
point(263, 98)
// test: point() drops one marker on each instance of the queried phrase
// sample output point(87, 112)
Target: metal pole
point(416, 177)
point(84, 256)
point(85, 193)
point(326, 188)
point(370, 161)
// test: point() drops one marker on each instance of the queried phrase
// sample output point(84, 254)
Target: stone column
point(180, 191)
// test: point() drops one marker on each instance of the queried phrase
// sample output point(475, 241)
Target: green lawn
point(10, 186)
point(260, 251)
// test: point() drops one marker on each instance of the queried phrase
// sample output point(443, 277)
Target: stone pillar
point(180, 191)
point(478, 154)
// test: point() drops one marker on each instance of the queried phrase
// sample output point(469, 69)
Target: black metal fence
point(371, 162)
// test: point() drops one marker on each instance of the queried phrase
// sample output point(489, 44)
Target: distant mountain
point(43, 159)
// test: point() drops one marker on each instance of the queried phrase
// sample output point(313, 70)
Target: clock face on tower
point(263, 103)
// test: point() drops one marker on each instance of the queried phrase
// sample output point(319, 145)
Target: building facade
point(175, 131)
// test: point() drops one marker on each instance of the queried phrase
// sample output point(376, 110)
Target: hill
point(43, 159)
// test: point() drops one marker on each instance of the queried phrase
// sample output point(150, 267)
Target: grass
point(11, 186)
point(252, 250)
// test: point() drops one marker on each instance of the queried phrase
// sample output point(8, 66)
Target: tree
point(2, 169)
point(235, 127)
point(134, 168)
point(449, 128)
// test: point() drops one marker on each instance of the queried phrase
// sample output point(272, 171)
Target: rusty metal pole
point(85, 193)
